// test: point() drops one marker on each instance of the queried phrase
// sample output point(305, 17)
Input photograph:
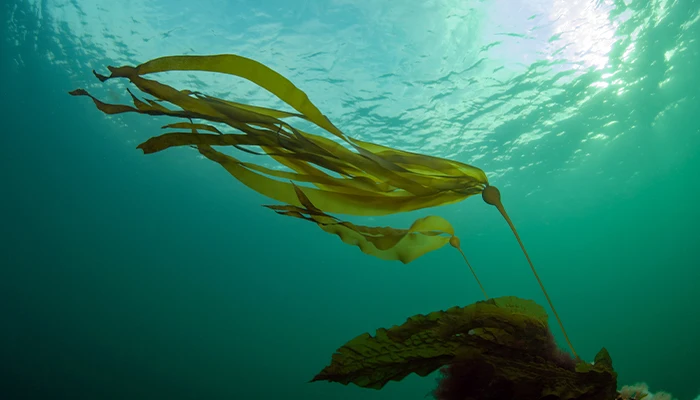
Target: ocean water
point(131, 276)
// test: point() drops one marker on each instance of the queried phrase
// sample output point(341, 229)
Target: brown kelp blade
point(492, 196)
point(423, 236)
point(342, 200)
point(405, 245)
point(371, 179)
point(509, 334)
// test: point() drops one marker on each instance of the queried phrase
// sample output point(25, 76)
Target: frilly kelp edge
point(498, 349)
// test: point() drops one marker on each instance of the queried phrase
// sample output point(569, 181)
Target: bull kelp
point(364, 179)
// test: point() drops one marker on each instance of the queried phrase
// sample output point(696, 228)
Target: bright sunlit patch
point(669, 54)
point(687, 25)
point(598, 136)
point(661, 10)
point(665, 81)
point(586, 30)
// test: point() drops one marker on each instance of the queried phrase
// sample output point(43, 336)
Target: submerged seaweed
point(499, 349)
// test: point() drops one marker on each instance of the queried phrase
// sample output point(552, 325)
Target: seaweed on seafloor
point(640, 391)
point(499, 349)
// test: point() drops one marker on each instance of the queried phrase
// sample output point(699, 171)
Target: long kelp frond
point(424, 235)
point(369, 179)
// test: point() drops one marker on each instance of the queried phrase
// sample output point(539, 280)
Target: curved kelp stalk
point(365, 179)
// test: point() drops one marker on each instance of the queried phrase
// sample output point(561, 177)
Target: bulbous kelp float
point(363, 179)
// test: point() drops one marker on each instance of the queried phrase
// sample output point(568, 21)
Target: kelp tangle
point(363, 178)
point(498, 349)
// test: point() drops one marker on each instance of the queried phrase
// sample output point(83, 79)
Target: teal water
point(160, 276)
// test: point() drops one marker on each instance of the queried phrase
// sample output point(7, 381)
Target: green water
point(140, 277)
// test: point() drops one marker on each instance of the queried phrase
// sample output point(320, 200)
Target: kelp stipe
point(455, 242)
point(492, 196)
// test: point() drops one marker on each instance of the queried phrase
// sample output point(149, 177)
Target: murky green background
point(132, 276)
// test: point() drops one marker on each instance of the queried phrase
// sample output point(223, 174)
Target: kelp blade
point(425, 234)
point(414, 181)
point(330, 201)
